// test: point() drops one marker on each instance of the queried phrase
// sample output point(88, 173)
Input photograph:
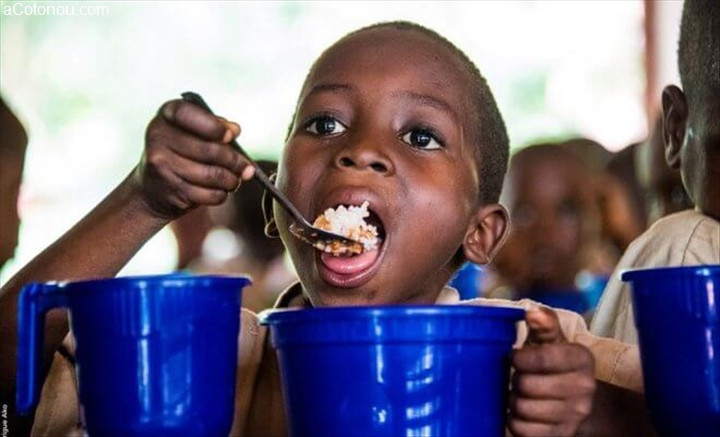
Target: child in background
point(621, 221)
point(190, 232)
point(691, 135)
point(255, 254)
point(392, 111)
point(13, 142)
point(555, 222)
point(623, 167)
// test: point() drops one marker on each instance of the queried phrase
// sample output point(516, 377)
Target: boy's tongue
point(348, 265)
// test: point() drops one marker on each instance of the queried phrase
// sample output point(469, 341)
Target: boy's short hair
point(699, 49)
point(493, 145)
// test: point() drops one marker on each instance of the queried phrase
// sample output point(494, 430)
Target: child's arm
point(186, 163)
point(553, 384)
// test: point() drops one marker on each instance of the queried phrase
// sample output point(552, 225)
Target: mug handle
point(35, 300)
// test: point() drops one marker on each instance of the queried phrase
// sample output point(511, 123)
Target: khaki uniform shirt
point(258, 397)
point(682, 239)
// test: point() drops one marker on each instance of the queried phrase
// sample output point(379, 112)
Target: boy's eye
point(422, 139)
point(325, 125)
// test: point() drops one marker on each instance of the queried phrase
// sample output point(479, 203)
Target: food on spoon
point(348, 222)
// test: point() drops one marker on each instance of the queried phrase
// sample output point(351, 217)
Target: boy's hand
point(554, 384)
point(188, 161)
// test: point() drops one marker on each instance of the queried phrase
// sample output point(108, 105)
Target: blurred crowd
point(575, 207)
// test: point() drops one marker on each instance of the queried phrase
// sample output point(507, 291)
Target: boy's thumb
point(543, 326)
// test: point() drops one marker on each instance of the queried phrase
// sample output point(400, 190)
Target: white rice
point(349, 222)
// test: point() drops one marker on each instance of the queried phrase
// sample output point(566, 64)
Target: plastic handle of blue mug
point(35, 300)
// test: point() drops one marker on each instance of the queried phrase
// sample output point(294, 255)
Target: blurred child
point(623, 166)
point(691, 134)
point(190, 232)
point(554, 222)
point(621, 220)
point(13, 142)
point(593, 154)
point(392, 114)
point(254, 254)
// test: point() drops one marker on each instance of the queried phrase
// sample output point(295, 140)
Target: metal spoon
point(301, 228)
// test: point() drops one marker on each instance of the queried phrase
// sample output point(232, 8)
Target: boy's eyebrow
point(428, 100)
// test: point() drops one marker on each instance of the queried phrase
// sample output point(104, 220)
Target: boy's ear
point(486, 234)
point(271, 229)
point(675, 115)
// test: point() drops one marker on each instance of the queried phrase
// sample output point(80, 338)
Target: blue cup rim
point(166, 279)
point(659, 273)
point(293, 315)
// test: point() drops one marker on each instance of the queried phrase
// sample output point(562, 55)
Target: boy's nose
point(364, 158)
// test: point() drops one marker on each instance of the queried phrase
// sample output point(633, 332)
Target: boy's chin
point(371, 294)
point(334, 297)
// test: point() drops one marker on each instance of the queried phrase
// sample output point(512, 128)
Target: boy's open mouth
point(345, 269)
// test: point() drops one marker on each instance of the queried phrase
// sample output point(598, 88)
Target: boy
point(393, 114)
point(692, 144)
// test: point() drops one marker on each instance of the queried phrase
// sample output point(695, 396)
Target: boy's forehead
point(386, 46)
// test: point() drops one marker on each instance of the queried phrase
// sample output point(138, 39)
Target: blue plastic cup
point(155, 355)
point(435, 370)
point(677, 315)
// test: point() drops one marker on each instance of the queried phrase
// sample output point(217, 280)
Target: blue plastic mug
point(155, 355)
point(677, 315)
point(437, 370)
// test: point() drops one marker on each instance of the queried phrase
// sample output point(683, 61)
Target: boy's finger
point(552, 358)
point(543, 326)
point(545, 410)
point(233, 130)
point(186, 195)
point(203, 175)
point(523, 428)
point(204, 196)
point(248, 173)
point(193, 119)
point(557, 387)
point(205, 152)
